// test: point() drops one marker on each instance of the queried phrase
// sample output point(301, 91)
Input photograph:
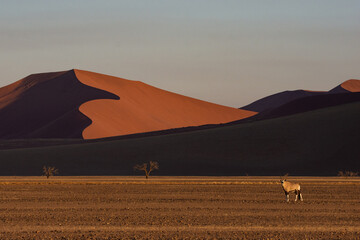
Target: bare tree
point(347, 174)
point(50, 171)
point(147, 168)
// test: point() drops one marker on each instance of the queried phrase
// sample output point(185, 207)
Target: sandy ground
point(177, 208)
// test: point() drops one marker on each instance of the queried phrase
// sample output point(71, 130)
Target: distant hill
point(274, 101)
point(306, 104)
point(278, 99)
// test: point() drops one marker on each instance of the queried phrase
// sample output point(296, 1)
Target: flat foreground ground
point(177, 208)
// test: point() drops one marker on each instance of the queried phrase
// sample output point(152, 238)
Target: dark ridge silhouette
point(278, 99)
point(46, 106)
point(274, 101)
point(306, 104)
point(318, 142)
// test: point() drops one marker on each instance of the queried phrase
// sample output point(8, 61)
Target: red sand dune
point(351, 85)
point(143, 108)
point(63, 104)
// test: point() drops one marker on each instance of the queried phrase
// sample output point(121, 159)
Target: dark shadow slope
point(46, 106)
point(338, 89)
point(319, 142)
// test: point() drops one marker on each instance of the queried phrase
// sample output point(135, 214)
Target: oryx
point(289, 187)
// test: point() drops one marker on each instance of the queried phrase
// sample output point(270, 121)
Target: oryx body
point(289, 187)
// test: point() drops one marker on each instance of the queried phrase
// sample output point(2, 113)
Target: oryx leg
point(296, 195)
point(287, 196)
point(301, 198)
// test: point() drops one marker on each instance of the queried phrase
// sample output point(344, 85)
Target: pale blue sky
point(229, 52)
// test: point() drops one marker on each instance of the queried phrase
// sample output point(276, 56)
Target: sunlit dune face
point(351, 85)
point(143, 108)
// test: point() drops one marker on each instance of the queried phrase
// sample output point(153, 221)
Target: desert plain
point(177, 208)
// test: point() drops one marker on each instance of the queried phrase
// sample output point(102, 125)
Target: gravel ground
point(176, 208)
